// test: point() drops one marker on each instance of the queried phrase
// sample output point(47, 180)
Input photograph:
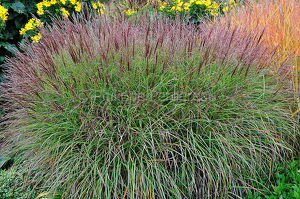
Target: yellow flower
point(46, 3)
point(100, 11)
point(40, 8)
point(232, 4)
point(99, 7)
point(38, 23)
point(163, 5)
point(40, 5)
point(63, 2)
point(3, 13)
point(78, 7)
point(213, 9)
point(129, 11)
point(30, 25)
point(36, 38)
point(207, 3)
point(94, 5)
point(22, 31)
point(65, 12)
point(73, 2)
point(53, 2)
point(40, 12)
point(176, 8)
point(187, 6)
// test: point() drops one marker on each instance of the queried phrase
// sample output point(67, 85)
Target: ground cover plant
point(11, 187)
point(8, 189)
point(286, 183)
point(111, 107)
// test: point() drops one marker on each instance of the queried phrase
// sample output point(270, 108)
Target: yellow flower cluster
point(229, 5)
point(99, 7)
point(32, 24)
point(36, 38)
point(64, 12)
point(47, 3)
point(212, 7)
point(129, 12)
point(3, 13)
point(77, 6)
point(178, 6)
point(162, 5)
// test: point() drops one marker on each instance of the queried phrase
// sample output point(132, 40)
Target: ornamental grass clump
point(116, 108)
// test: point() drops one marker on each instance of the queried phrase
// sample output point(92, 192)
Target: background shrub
point(19, 14)
point(19, 11)
point(112, 107)
point(195, 11)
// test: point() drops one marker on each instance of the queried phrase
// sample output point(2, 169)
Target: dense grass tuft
point(115, 108)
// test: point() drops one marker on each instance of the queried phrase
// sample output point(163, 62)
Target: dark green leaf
point(18, 7)
point(3, 160)
point(10, 47)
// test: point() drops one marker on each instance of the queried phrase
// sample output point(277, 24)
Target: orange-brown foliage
point(280, 20)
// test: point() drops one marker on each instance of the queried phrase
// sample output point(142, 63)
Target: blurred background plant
point(3, 16)
point(195, 11)
point(280, 21)
point(47, 9)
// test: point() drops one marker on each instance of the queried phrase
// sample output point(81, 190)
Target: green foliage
point(19, 13)
point(10, 186)
point(285, 185)
point(11, 182)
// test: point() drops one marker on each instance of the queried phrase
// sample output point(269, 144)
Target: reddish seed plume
point(157, 42)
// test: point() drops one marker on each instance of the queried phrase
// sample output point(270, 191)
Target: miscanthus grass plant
point(115, 108)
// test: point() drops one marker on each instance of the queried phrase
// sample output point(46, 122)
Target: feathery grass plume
point(116, 108)
point(280, 21)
